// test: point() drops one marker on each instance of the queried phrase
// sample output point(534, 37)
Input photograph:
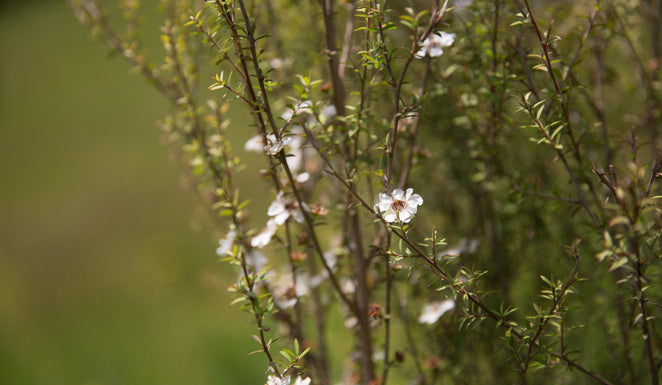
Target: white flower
point(256, 259)
point(274, 145)
point(256, 263)
point(348, 286)
point(303, 106)
point(299, 108)
point(464, 246)
point(327, 113)
point(351, 322)
point(330, 258)
point(302, 381)
point(400, 205)
point(433, 45)
point(285, 292)
point(265, 235)
point(462, 4)
point(303, 177)
point(226, 244)
point(434, 310)
point(255, 144)
point(283, 208)
point(278, 63)
point(295, 155)
point(274, 380)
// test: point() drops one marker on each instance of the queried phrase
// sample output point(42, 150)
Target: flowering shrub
point(534, 147)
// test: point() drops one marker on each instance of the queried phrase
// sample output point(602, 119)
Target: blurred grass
point(103, 278)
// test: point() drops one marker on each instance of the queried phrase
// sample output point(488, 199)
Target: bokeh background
point(107, 267)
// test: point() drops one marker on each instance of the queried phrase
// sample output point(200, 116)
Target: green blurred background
point(107, 274)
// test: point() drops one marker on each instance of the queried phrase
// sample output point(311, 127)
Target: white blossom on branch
point(400, 205)
point(434, 45)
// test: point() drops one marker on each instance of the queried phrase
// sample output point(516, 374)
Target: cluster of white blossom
point(434, 45)
point(397, 206)
point(226, 248)
point(280, 210)
point(285, 380)
point(434, 310)
point(301, 158)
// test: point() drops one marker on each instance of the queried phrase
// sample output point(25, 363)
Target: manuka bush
point(460, 192)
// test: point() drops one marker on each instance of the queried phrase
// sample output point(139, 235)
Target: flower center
point(398, 205)
point(290, 293)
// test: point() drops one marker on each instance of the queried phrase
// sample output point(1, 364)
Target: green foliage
point(505, 126)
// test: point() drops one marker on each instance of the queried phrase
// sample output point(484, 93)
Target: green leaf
point(618, 264)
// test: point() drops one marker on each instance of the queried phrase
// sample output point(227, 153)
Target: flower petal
point(275, 208)
point(433, 311)
point(281, 217)
point(415, 200)
point(384, 202)
point(435, 51)
point(408, 193)
point(301, 381)
point(390, 216)
point(405, 216)
point(446, 38)
point(398, 194)
point(255, 144)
